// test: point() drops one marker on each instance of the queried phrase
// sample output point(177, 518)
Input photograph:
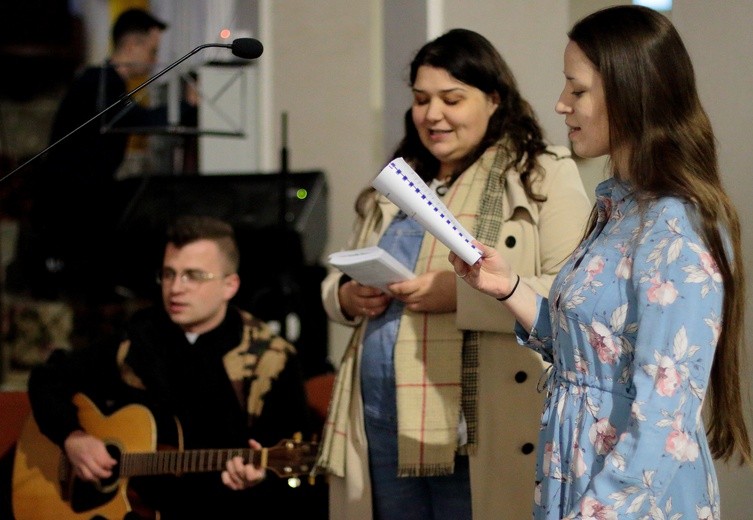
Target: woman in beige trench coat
point(499, 421)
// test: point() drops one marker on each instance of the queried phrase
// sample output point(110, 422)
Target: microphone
point(246, 48)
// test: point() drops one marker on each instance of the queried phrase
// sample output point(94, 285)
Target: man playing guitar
point(211, 375)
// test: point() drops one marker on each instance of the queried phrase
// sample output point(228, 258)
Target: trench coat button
point(520, 377)
point(527, 448)
point(510, 241)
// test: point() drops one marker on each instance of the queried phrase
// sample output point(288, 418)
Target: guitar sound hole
point(86, 496)
point(107, 483)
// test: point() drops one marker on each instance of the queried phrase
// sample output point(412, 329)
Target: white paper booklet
point(404, 188)
point(371, 266)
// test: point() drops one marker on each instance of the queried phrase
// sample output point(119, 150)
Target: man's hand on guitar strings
point(88, 456)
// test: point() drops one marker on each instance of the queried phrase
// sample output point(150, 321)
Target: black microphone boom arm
point(125, 98)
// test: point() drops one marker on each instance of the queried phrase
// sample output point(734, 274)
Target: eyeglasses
point(189, 277)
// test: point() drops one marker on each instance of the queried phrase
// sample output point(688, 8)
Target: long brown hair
point(657, 122)
point(469, 57)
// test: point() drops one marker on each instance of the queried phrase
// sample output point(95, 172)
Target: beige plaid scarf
point(436, 364)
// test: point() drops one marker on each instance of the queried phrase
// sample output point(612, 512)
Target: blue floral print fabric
point(630, 328)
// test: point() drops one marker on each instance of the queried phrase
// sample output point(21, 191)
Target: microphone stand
point(284, 171)
point(122, 99)
point(285, 277)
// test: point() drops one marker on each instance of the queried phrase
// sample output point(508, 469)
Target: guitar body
point(44, 488)
point(37, 490)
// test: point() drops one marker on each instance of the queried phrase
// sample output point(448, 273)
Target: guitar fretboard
point(180, 462)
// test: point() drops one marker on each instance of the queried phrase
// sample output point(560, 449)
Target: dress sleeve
point(676, 322)
point(540, 337)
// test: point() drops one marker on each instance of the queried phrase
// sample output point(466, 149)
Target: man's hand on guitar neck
point(88, 456)
point(241, 475)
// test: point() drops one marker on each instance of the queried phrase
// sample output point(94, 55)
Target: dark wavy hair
point(472, 59)
point(658, 128)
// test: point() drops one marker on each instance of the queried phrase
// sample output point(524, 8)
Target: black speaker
point(280, 269)
point(250, 201)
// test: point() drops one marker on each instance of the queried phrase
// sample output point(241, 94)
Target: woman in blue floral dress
point(645, 319)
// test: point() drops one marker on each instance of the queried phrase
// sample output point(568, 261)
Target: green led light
point(302, 194)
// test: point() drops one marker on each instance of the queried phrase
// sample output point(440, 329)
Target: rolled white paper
point(404, 188)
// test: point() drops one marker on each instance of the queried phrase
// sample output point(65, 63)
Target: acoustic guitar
point(45, 487)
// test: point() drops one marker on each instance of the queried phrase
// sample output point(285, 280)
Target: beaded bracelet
point(503, 298)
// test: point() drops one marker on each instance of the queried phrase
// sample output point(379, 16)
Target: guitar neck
point(181, 462)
